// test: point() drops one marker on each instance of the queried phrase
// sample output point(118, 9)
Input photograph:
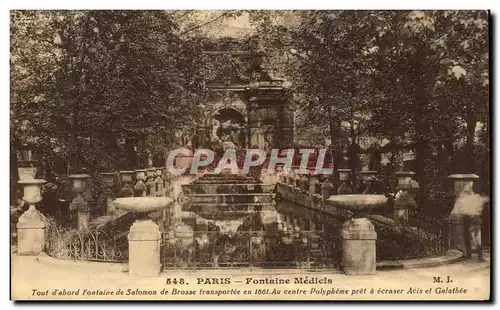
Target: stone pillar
point(327, 189)
point(345, 187)
point(140, 188)
point(108, 195)
point(313, 183)
point(463, 182)
point(160, 184)
point(150, 183)
point(359, 247)
point(31, 224)
point(404, 198)
point(79, 204)
point(87, 194)
point(296, 180)
point(304, 183)
point(144, 248)
point(127, 187)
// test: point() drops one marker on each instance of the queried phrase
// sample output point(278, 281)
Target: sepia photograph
point(250, 155)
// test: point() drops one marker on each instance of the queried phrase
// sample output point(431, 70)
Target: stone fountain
point(144, 237)
point(358, 233)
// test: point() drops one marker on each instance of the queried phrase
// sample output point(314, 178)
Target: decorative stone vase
point(140, 188)
point(108, 179)
point(405, 179)
point(127, 188)
point(32, 223)
point(126, 176)
point(140, 175)
point(150, 173)
point(463, 182)
point(367, 175)
point(144, 236)
point(159, 171)
point(26, 173)
point(344, 174)
point(27, 169)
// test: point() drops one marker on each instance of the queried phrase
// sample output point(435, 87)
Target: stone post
point(313, 183)
point(465, 218)
point(79, 204)
point(296, 180)
point(87, 194)
point(144, 247)
point(327, 188)
point(359, 247)
point(304, 183)
point(150, 183)
point(127, 188)
point(140, 188)
point(160, 184)
point(31, 224)
point(345, 187)
point(144, 235)
point(366, 176)
point(404, 198)
point(108, 182)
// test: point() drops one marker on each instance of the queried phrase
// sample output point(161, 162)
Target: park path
point(30, 273)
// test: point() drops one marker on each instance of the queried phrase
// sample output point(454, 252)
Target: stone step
point(231, 198)
point(226, 188)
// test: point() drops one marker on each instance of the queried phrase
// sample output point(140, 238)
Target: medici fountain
point(237, 221)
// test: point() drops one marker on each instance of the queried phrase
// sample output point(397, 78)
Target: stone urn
point(108, 179)
point(367, 175)
point(31, 224)
point(144, 236)
point(127, 187)
point(140, 188)
point(463, 182)
point(150, 173)
point(27, 169)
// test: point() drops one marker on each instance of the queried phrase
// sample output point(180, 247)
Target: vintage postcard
point(322, 155)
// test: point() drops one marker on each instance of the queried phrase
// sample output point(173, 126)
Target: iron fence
point(251, 249)
point(92, 245)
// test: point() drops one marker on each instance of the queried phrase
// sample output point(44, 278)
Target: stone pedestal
point(358, 247)
point(31, 232)
point(144, 248)
point(31, 224)
point(457, 234)
point(402, 206)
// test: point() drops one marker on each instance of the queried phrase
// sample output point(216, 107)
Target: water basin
point(358, 202)
point(142, 204)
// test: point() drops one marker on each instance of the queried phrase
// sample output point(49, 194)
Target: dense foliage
point(99, 86)
point(418, 79)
